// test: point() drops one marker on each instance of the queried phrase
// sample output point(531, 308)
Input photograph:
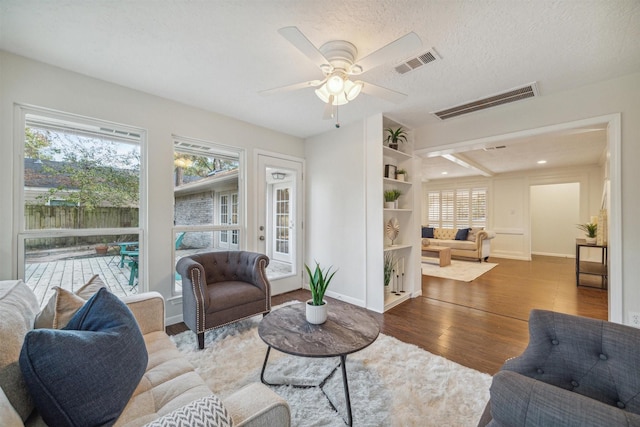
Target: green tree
point(201, 166)
point(91, 172)
point(35, 142)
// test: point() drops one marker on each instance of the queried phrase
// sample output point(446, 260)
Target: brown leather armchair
point(219, 288)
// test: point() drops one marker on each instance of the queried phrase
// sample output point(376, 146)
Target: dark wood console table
point(590, 268)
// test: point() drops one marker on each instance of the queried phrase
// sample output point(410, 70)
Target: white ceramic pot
point(316, 314)
point(400, 177)
point(591, 240)
point(389, 205)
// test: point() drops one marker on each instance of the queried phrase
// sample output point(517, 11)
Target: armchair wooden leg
point(201, 340)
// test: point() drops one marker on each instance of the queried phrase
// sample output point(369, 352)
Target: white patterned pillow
point(205, 412)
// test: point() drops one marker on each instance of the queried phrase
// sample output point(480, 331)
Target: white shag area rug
point(465, 271)
point(391, 383)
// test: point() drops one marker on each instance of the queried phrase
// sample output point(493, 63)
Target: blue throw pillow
point(462, 234)
point(427, 232)
point(84, 374)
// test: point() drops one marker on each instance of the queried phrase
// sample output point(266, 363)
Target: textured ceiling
point(217, 55)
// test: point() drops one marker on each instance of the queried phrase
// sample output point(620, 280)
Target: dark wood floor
point(482, 323)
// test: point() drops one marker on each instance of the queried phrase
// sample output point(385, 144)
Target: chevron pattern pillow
point(205, 412)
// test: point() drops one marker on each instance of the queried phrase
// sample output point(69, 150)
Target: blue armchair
point(575, 371)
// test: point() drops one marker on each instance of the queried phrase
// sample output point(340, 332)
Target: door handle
point(261, 237)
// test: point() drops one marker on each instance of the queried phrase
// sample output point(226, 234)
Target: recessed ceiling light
point(542, 162)
point(444, 173)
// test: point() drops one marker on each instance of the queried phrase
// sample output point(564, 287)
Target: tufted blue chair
point(219, 288)
point(575, 371)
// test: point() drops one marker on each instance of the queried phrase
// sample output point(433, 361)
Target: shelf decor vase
point(389, 205)
point(316, 314)
point(591, 240)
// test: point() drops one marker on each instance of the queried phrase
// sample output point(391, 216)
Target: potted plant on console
point(591, 230)
point(316, 308)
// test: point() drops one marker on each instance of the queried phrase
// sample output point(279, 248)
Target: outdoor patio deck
point(72, 274)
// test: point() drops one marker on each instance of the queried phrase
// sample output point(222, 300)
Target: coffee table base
point(343, 363)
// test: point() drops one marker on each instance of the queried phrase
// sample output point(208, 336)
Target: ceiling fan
point(338, 60)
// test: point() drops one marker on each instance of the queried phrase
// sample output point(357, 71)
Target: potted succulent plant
point(316, 308)
point(401, 175)
point(395, 136)
point(591, 231)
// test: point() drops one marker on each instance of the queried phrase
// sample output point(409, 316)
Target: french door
point(280, 213)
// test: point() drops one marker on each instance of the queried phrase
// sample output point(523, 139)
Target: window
point(207, 208)
point(81, 191)
point(458, 208)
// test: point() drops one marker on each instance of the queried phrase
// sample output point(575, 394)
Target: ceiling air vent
point(512, 95)
point(418, 61)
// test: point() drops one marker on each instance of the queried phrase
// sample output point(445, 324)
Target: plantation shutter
point(447, 203)
point(462, 208)
point(479, 207)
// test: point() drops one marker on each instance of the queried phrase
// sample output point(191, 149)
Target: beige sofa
point(477, 245)
point(168, 384)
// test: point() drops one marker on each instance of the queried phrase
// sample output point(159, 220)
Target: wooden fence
point(40, 217)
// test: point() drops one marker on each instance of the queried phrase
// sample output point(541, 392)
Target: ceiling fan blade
point(302, 43)
point(328, 109)
point(288, 88)
point(391, 52)
point(384, 93)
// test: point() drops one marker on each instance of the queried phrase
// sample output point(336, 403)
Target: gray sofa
point(575, 371)
point(168, 386)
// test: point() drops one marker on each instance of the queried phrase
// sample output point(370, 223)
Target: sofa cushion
point(427, 232)
point(86, 373)
point(206, 412)
point(63, 304)
point(8, 415)
point(18, 309)
point(462, 234)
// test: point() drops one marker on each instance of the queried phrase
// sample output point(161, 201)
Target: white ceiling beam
point(465, 162)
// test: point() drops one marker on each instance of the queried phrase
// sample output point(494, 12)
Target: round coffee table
point(348, 329)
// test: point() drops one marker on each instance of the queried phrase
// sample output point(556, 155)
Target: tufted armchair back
point(223, 287)
point(233, 266)
point(595, 358)
point(570, 362)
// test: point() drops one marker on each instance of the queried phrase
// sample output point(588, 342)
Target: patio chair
point(219, 288)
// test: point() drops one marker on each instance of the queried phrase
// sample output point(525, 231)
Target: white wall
point(618, 95)
point(335, 209)
point(555, 211)
point(29, 82)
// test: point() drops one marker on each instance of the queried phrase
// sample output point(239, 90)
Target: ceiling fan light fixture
point(323, 93)
point(352, 89)
point(335, 84)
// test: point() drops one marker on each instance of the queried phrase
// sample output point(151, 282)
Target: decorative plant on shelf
point(319, 280)
point(591, 230)
point(401, 175)
point(391, 197)
point(389, 265)
point(395, 136)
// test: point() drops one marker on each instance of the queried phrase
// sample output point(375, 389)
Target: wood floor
point(482, 323)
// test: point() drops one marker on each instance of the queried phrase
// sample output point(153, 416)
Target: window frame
point(21, 234)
